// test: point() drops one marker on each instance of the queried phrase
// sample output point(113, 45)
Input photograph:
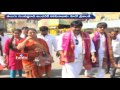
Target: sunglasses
point(77, 42)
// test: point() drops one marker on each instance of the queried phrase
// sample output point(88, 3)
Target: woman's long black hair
point(10, 45)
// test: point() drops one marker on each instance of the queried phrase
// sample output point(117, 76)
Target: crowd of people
point(75, 49)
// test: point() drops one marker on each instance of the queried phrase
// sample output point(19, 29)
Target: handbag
point(43, 59)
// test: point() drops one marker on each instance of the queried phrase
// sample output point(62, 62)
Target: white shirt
point(3, 39)
point(116, 47)
point(79, 49)
point(118, 37)
point(57, 38)
point(102, 44)
point(51, 41)
point(22, 35)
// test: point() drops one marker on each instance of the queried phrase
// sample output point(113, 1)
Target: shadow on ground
point(5, 74)
point(56, 73)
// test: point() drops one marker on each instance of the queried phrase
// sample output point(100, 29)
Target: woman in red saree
point(33, 47)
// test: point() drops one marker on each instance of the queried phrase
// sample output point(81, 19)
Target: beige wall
point(19, 23)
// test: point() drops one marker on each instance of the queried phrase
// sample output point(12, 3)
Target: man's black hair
point(76, 23)
point(33, 29)
point(102, 24)
point(24, 28)
point(116, 30)
point(43, 28)
point(1, 29)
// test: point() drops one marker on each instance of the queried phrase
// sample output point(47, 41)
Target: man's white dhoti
point(72, 70)
point(100, 70)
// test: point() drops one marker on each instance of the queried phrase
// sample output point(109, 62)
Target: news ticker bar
point(49, 16)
